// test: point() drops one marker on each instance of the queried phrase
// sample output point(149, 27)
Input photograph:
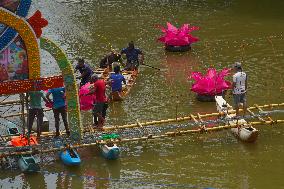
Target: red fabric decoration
point(37, 23)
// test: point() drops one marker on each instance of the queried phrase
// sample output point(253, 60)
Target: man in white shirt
point(239, 88)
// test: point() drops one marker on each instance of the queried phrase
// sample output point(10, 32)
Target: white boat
point(110, 151)
point(244, 132)
point(28, 164)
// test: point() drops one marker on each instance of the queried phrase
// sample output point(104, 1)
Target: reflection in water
point(179, 66)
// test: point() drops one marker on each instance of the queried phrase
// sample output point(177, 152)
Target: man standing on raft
point(239, 88)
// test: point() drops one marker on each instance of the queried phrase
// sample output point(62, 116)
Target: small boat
point(28, 164)
point(244, 132)
point(172, 48)
point(110, 151)
point(70, 157)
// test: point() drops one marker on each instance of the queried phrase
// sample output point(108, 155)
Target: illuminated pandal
point(22, 27)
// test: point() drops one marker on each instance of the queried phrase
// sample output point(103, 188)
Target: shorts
point(100, 108)
point(239, 98)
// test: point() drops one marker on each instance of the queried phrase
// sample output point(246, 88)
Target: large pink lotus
point(86, 102)
point(178, 36)
point(212, 83)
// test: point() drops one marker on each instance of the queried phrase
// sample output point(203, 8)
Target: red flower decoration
point(37, 23)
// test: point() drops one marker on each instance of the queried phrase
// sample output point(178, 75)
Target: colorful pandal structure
point(15, 29)
point(211, 84)
point(178, 39)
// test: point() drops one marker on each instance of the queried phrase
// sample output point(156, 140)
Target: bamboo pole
point(257, 106)
point(11, 102)
point(144, 138)
point(20, 114)
point(22, 98)
point(172, 120)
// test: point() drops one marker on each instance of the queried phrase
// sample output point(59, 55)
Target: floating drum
point(110, 151)
point(172, 48)
point(208, 98)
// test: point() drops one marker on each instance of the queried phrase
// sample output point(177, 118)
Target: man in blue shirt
point(59, 107)
point(85, 70)
point(116, 80)
point(132, 56)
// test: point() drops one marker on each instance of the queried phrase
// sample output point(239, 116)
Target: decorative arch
point(28, 36)
point(72, 98)
point(33, 56)
point(10, 34)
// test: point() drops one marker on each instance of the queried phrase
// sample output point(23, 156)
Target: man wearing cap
point(85, 70)
point(239, 88)
point(98, 88)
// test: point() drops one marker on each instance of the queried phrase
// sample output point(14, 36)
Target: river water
point(248, 31)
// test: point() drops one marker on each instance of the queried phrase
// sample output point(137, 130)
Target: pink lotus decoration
point(86, 102)
point(178, 36)
point(212, 83)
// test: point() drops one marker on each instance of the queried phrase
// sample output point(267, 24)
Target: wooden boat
point(110, 151)
point(172, 48)
point(244, 132)
point(28, 164)
point(130, 77)
point(70, 157)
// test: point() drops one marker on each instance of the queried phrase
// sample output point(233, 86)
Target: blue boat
point(110, 151)
point(28, 164)
point(70, 157)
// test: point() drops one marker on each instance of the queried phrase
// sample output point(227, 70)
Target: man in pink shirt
point(98, 88)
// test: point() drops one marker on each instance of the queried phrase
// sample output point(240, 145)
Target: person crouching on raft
point(109, 59)
point(98, 88)
point(239, 88)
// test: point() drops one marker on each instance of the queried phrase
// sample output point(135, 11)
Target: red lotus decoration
point(37, 23)
point(178, 36)
point(212, 83)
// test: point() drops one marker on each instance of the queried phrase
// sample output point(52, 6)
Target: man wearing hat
point(239, 87)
